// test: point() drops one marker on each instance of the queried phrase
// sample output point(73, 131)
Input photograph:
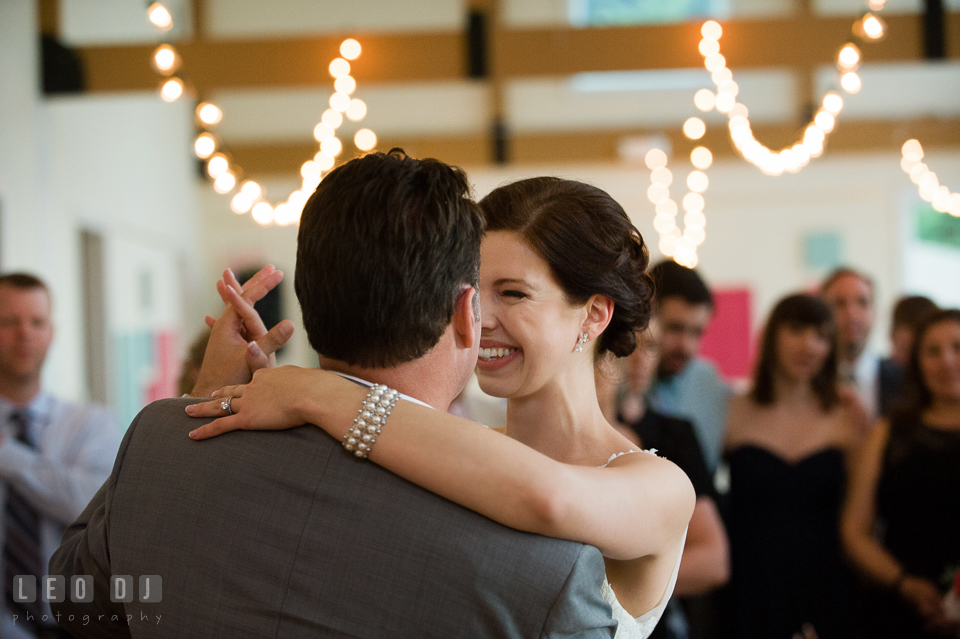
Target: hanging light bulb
point(704, 99)
point(715, 62)
point(694, 128)
point(324, 161)
point(165, 59)
point(870, 27)
point(262, 213)
point(695, 219)
point(824, 121)
point(251, 189)
point(701, 157)
point(709, 47)
point(912, 150)
point(331, 147)
point(697, 181)
point(350, 49)
point(832, 103)
point(339, 67)
point(357, 110)
point(160, 16)
point(323, 131)
point(711, 30)
point(725, 102)
point(171, 89)
point(655, 159)
point(204, 145)
point(662, 176)
point(339, 102)
point(365, 139)
point(849, 57)
point(310, 170)
point(850, 82)
point(224, 182)
point(345, 84)
point(240, 203)
point(209, 113)
point(217, 165)
point(657, 193)
point(667, 207)
point(332, 118)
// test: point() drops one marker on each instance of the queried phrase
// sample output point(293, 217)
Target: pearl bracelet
point(373, 413)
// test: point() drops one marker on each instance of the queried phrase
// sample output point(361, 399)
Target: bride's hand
point(271, 401)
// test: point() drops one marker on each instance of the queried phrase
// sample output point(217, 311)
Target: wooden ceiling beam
point(221, 64)
point(799, 41)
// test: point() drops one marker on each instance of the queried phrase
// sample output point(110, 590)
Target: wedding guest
point(901, 525)
point(865, 383)
point(687, 386)
point(908, 314)
point(788, 441)
point(54, 455)
point(706, 554)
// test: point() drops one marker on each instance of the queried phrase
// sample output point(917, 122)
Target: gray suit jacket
point(285, 534)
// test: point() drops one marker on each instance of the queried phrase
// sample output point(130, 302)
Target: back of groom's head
point(386, 244)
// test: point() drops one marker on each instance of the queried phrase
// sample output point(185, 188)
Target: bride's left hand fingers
point(219, 405)
point(217, 427)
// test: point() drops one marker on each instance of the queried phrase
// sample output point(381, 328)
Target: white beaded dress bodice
point(628, 626)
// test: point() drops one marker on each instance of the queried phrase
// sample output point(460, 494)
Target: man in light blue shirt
point(53, 455)
point(688, 387)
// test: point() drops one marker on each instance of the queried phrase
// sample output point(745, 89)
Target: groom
point(285, 534)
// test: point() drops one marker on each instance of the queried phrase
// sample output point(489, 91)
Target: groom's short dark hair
point(386, 244)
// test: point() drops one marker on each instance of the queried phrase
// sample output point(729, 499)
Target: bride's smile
point(525, 316)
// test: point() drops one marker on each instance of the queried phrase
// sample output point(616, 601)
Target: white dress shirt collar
point(364, 382)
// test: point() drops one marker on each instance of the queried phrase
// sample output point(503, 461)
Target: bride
point(562, 283)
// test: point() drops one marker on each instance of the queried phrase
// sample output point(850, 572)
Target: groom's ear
point(466, 323)
point(599, 313)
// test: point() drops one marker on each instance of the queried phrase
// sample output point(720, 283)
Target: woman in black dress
point(908, 481)
point(787, 445)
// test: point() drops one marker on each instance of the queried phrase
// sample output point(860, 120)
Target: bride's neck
point(559, 417)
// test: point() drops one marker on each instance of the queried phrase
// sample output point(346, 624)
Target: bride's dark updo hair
point(589, 243)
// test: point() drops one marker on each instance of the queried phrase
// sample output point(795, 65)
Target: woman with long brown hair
point(907, 485)
point(787, 446)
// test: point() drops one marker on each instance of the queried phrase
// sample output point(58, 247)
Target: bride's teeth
point(496, 353)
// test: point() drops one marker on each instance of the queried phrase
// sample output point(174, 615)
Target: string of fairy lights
point(681, 245)
point(248, 195)
point(928, 184)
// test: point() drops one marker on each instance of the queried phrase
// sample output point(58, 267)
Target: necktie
point(21, 521)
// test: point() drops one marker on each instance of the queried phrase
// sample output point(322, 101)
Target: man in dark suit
point(286, 534)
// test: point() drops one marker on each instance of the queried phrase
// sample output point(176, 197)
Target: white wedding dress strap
point(649, 451)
